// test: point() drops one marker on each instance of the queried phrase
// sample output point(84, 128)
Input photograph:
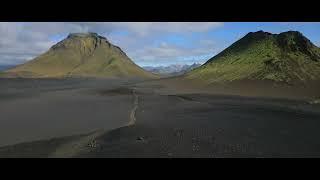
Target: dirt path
point(84, 144)
point(132, 120)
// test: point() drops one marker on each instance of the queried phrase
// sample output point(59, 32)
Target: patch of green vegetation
point(260, 56)
point(2, 73)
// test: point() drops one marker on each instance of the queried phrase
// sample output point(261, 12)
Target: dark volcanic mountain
point(81, 54)
point(286, 57)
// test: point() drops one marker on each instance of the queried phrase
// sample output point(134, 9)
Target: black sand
point(41, 109)
point(168, 122)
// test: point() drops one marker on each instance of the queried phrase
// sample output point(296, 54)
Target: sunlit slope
point(285, 57)
point(81, 54)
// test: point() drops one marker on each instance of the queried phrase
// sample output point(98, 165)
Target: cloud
point(165, 53)
point(317, 43)
point(145, 28)
point(21, 41)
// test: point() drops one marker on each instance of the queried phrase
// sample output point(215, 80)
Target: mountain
point(5, 67)
point(287, 57)
point(171, 70)
point(189, 68)
point(79, 55)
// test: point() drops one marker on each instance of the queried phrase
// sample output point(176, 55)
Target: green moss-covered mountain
point(286, 57)
point(81, 55)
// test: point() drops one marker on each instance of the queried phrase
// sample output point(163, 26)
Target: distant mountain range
point(80, 55)
point(287, 57)
point(5, 67)
point(171, 70)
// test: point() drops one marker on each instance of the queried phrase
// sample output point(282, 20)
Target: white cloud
point(145, 28)
point(20, 42)
point(166, 53)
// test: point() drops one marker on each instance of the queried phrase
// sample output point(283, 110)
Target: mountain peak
point(264, 34)
point(81, 54)
point(296, 42)
point(295, 33)
point(85, 42)
point(293, 41)
point(259, 34)
point(85, 35)
point(285, 57)
point(292, 36)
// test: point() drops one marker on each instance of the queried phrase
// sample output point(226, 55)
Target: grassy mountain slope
point(286, 57)
point(81, 54)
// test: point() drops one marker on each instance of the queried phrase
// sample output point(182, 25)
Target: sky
point(146, 43)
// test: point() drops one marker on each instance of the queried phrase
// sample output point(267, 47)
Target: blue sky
point(147, 44)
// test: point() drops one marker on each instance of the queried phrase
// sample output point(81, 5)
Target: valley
point(132, 118)
point(85, 98)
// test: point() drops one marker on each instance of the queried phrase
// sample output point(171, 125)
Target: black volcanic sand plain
point(158, 118)
point(34, 109)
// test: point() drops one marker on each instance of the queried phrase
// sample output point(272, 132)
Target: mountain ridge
point(171, 70)
point(286, 57)
point(81, 54)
